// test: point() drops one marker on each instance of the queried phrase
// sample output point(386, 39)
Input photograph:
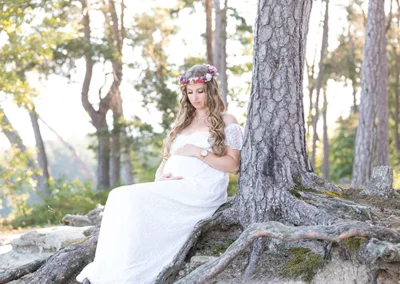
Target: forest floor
point(273, 265)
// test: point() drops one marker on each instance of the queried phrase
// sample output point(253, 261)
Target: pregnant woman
point(144, 225)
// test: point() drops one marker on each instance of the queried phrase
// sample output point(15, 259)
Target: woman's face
point(197, 95)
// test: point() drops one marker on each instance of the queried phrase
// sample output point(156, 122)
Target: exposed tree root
point(66, 263)
point(254, 256)
point(338, 207)
point(224, 216)
point(272, 229)
point(21, 271)
point(300, 213)
point(312, 181)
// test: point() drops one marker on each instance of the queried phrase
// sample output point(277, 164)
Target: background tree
point(209, 31)
point(220, 37)
point(319, 81)
point(374, 84)
point(156, 89)
point(27, 52)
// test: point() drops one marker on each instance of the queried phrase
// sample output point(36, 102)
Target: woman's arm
point(228, 163)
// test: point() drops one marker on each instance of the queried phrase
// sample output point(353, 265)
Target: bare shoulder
point(229, 118)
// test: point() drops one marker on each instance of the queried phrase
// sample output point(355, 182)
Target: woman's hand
point(189, 150)
point(167, 176)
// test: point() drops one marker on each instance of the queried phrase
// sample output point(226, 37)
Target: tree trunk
point(116, 36)
point(325, 164)
point(98, 117)
point(127, 166)
point(217, 34)
point(310, 87)
point(10, 132)
point(220, 46)
point(115, 166)
point(396, 108)
point(274, 156)
point(209, 33)
point(355, 107)
point(397, 86)
point(324, 47)
point(15, 139)
point(371, 84)
point(382, 95)
point(42, 157)
point(353, 65)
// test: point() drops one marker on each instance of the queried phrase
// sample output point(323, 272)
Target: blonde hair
point(186, 114)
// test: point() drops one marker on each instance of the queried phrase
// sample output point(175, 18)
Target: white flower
point(208, 76)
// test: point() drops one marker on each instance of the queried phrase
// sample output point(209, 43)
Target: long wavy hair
point(187, 111)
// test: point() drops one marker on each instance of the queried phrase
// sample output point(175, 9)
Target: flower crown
point(212, 71)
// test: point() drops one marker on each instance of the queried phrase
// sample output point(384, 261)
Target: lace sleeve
point(234, 136)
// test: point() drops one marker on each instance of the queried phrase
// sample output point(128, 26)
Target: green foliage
point(151, 35)
point(341, 152)
point(233, 184)
point(30, 42)
point(145, 145)
point(303, 263)
point(66, 198)
point(16, 177)
point(344, 63)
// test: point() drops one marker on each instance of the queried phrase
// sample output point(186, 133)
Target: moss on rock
point(303, 263)
point(353, 243)
point(328, 193)
point(295, 193)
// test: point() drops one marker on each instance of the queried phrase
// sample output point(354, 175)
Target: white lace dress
point(144, 225)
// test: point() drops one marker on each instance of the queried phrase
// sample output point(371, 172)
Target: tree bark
point(371, 84)
point(220, 37)
point(382, 100)
point(274, 156)
point(353, 78)
point(310, 87)
point(396, 108)
point(324, 47)
point(42, 157)
point(397, 86)
point(325, 164)
point(115, 166)
point(209, 33)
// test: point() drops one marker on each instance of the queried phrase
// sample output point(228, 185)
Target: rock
point(76, 220)
point(40, 244)
point(93, 218)
point(380, 183)
point(198, 260)
point(93, 230)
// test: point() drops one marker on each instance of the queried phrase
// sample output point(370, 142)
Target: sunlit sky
point(59, 103)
